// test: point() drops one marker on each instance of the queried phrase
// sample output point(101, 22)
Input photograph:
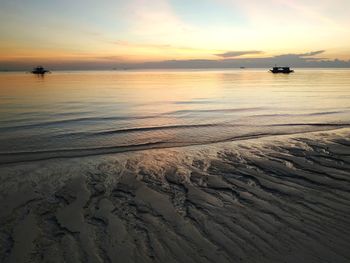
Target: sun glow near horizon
point(140, 31)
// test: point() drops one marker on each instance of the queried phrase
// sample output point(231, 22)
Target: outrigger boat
point(285, 70)
point(40, 70)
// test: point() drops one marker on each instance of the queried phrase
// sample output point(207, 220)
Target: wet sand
point(274, 199)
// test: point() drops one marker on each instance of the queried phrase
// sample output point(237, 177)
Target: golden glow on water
point(98, 109)
point(165, 90)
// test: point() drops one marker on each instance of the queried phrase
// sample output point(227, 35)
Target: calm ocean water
point(66, 114)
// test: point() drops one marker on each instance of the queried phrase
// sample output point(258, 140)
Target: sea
point(79, 113)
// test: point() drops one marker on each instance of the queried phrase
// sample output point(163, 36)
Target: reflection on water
point(78, 113)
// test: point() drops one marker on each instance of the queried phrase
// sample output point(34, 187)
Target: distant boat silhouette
point(40, 70)
point(285, 70)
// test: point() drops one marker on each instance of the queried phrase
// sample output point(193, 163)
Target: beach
point(168, 166)
point(277, 199)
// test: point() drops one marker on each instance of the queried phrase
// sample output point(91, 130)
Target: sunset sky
point(100, 33)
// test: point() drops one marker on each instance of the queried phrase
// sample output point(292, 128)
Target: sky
point(87, 34)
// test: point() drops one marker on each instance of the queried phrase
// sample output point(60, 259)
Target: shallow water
point(66, 114)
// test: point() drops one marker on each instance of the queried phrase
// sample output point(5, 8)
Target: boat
point(285, 70)
point(40, 70)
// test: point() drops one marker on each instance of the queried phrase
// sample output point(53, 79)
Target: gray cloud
point(112, 58)
point(232, 54)
point(301, 60)
point(310, 54)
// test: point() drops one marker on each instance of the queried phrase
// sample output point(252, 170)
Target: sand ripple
point(278, 199)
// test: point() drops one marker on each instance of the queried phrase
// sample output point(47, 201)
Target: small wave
point(194, 102)
point(327, 112)
point(310, 124)
point(28, 156)
point(153, 128)
point(208, 125)
point(216, 110)
point(76, 120)
point(42, 124)
point(301, 114)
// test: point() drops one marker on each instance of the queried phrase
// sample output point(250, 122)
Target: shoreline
point(78, 153)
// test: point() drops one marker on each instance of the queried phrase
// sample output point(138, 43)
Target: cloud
point(140, 45)
point(301, 57)
point(232, 54)
point(113, 58)
point(298, 60)
point(302, 60)
point(155, 20)
point(310, 54)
